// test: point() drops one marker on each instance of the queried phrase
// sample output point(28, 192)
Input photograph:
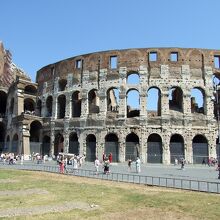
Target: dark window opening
point(93, 102)
point(3, 98)
point(76, 104)
point(29, 106)
point(49, 103)
point(62, 84)
point(61, 108)
point(31, 90)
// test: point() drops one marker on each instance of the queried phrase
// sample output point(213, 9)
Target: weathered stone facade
point(81, 106)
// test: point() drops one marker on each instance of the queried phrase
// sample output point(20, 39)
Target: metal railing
point(177, 183)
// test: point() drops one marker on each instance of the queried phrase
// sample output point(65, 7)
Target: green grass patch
point(112, 198)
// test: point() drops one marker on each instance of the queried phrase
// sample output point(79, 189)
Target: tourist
point(110, 158)
point(138, 165)
point(61, 164)
point(129, 164)
point(97, 163)
point(106, 166)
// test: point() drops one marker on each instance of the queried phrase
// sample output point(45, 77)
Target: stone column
point(52, 139)
point(19, 103)
point(166, 149)
point(84, 108)
point(68, 104)
point(54, 107)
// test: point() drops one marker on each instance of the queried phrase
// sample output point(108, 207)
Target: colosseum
point(82, 105)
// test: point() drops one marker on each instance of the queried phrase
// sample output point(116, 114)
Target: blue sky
point(41, 32)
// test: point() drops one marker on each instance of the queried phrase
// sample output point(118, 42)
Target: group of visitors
point(137, 163)
point(10, 158)
point(75, 161)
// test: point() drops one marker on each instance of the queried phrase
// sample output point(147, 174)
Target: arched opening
point(176, 99)
point(2, 136)
point(11, 108)
point(111, 146)
point(61, 106)
point(73, 144)
point(49, 104)
point(200, 149)
point(132, 147)
point(133, 103)
point(93, 101)
point(58, 144)
point(39, 106)
point(76, 104)
point(62, 84)
point(46, 145)
point(90, 148)
point(133, 78)
point(30, 89)
point(14, 146)
point(113, 99)
point(7, 144)
point(197, 101)
point(3, 98)
point(35, 132)
point(153, 102)
point(217, 149)
point(154, 149)
point(176, 148)
point(29, 106)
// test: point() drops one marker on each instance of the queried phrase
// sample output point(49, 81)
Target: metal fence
point(177, 183)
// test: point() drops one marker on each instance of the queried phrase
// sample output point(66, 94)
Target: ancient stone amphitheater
point(82, 105)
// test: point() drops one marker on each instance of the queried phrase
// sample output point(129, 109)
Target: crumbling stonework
point(80, 105)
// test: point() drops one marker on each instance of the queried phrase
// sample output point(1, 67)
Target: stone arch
point(76, 104)
point(49, 106)
point(133, 77)
point(39, 107)
point(176, 148)
point(11, 108)
point(15, 144)
point(29, 106)
point(73, 143)
point(93, 100)
point(58, 144)
point(154, 149)
point(154, 101)
point(111, 146)
point(3, 98)
point(90, 147)
point(198, 100)
point(112, 99)
point(30, 89)
point(176, 99)
point(133, 109)
point(46, 145)
point(35, 135)
point(7, 144)
point(2, 136)
point(61, 106)
point(200, 149)
point(132, 148)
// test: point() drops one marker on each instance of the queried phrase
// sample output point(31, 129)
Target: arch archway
point(29, 106)
point(73, 144)
point(49, 104)
point(35, 131)
point(58, 144)
point(30, 89)
point(154, 102)
point(46, 145)
point(154, 149)
point(3, 98)
point(90, 148)
point(61, 106)
point(14, 145)
point(111, 146)
point(132, 147)
point(200, 149)
point(76, 104)
point(176, 99)
point(176, 148)
point(2, 137)
point(133, 103)
point(93, 100)
point(62, 84)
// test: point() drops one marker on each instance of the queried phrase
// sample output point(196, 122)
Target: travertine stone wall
point(193, 69)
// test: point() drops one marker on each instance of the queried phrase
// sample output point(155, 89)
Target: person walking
point(129, 164)
point(138, 165)
point(218, 170)
point(97, 163)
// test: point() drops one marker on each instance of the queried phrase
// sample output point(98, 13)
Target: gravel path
point(39, 210)
point(23, 192)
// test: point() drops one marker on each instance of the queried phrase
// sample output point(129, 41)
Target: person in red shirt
point(110, 157)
